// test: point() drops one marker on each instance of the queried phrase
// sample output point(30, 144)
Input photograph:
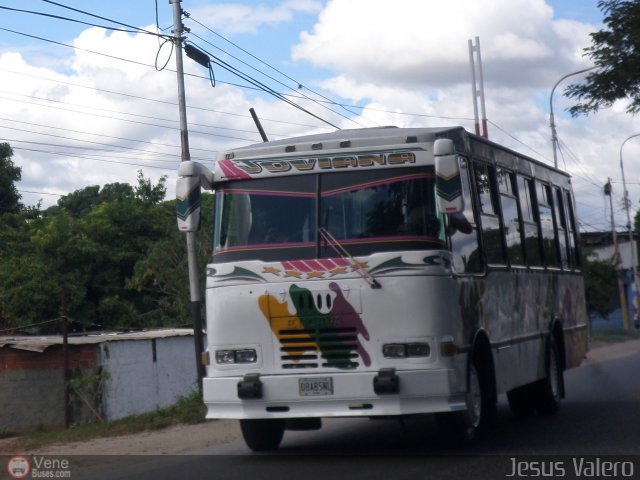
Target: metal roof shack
point(41, 343)
point(109, 376)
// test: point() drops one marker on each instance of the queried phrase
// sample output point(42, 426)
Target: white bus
point(386, 272)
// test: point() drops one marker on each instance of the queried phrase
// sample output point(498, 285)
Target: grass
point(189, 409)
point(612, 336)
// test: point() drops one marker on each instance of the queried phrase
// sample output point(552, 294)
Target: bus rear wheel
point(550, 388)
point(262, 435)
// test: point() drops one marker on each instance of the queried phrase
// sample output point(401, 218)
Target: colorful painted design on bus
point(244, 168)
point(319, 268)
point(323, 323)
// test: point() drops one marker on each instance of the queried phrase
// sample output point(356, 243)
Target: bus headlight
point(406, 350)
point(246, 356)
point(394, 350)
point(229, 357)
point(225, 357)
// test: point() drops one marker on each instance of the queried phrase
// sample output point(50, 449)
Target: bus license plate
point(311, 387)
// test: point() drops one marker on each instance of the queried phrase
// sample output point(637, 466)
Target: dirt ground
point(174, 440)
point(181, 439)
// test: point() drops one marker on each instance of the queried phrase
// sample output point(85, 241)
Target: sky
point(83, 105)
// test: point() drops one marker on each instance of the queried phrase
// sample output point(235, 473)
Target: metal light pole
point(552, 123)
point(630, 226)
point(621, 290)
point(194, 279)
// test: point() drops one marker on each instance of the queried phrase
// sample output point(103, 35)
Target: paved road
point(600, 417)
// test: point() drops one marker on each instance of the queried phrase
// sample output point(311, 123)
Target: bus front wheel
point(262, 435)
point(462, 427)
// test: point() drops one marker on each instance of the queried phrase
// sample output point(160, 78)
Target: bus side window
point(561, 224)
point(529, 222)
point(489, 221)
point(573, 231)
point(466, 256)
point(510, 217)
point(547, 228)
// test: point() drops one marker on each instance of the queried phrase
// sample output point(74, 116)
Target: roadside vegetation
point(614, 336)
point(188, 410)
point(106, 257)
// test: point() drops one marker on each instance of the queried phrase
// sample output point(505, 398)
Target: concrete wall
point(145, 375)
point(32, 386)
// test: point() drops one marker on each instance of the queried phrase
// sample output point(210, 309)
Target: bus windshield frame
point(277, 219)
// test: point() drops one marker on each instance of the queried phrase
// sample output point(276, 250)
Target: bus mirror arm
point(192, 176)
point(195, 169)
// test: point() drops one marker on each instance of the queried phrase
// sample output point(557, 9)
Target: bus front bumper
point(351, 395)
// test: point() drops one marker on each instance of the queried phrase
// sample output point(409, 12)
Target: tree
point(82, 201)
point(46, 276)
point(78, 259)
point(163, 272)
point(600, 284)
point(9, 175)
point(615, 50)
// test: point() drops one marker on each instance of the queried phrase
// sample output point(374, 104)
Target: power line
point(299, 84)
point(257, 85)
point(263, 87)
point(102, 135)
point(278, 81)
point(138, 29)
point(57, 145)
point(68, 19)
point(41, 193)
point(84, 157)
point(165, 102)
point(138, 122)
point(151, 117)
point(514, 138)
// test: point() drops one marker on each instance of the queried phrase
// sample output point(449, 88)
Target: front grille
point(321, 347)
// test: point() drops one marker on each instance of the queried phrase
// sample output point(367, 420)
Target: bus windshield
point(278, 219)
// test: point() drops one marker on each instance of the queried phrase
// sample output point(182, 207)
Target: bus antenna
point(258, 124)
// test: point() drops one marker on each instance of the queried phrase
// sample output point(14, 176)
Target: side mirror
point(448, 182)
point(188, 203)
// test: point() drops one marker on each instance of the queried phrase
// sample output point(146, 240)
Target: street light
point(629, 225)
point(552, 123)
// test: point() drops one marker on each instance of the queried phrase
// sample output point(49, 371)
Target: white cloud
point(229, 18)
point(407, 61)
point(408, 42)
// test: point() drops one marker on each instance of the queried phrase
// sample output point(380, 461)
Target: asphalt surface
point(598, 422)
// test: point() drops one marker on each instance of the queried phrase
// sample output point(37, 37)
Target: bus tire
point(549, 389)
point(462, 427)
point(522, 400)
point(262, 435)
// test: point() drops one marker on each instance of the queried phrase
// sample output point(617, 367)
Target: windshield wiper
point(343, 252)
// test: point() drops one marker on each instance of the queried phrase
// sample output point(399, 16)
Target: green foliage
point(614, 51)
point(9, 175)
point(108, 258)
point(601, 286)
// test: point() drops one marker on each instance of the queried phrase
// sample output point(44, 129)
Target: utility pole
point(192, 256)
point(616, 250)
point(632, 246)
